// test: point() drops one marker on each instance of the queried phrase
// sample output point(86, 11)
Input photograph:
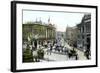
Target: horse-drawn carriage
point(72, 54)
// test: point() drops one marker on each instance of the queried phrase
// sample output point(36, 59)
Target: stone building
point(38, 31)
point(84, 37)
point(71, 36)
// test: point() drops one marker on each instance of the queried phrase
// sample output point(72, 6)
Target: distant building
point(71, 36)
point(60, 37)
point(84, 37)
point(69, 33)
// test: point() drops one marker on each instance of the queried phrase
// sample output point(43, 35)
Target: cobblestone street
point(61, 56)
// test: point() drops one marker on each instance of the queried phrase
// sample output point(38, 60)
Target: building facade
point(38, 31)
point(71, 36)
point(84, 37)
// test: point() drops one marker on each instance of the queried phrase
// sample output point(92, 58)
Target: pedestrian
point(65, 50)
point(87, 53)
point(73, 51)
point(69, 54)
point(51, 48)
point(35, 44)
point(48, 48)
point(58, 46)
point(76, 56)
point(45, 44)
point(35, 56)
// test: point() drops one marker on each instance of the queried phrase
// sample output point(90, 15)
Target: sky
point(60, 19)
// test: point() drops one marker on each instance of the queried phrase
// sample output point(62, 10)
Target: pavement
point(56, 56)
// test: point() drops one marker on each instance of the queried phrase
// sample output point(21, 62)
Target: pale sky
point(60, 19)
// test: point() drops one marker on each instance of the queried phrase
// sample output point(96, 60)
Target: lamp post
point(36, 41)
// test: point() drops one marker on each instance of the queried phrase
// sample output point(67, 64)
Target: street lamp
point(36, 38)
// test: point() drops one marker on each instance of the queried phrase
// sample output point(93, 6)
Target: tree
point(27, 55)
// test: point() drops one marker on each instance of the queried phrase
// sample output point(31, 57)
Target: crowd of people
point(54, 46)
point(58, 46)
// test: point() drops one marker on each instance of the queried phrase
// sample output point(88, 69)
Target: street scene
point(55, 36)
